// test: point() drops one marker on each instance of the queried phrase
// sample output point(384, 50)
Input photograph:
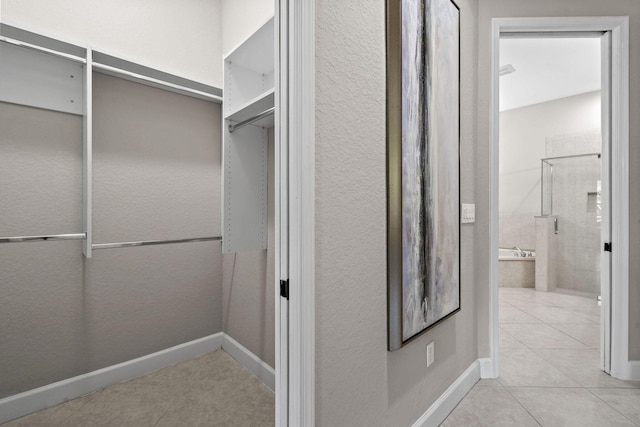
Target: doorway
point(194, 281)
point(614, 182)
point(550, 209)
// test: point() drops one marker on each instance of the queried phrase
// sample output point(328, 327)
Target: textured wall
point(358, 382)
point(524, 8)
point(156, 175)
point(241, 18)
point(179, 37)
point(40, 283)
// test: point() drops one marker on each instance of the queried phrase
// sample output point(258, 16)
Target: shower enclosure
point(571, 195)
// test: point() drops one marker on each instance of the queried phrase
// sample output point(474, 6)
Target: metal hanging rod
point(97, 65)
point(43, 49)
point(44, 237)
point(151, 242)
point(265, 113)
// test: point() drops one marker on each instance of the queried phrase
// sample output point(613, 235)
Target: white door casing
point(615, 321)
point(297, 123)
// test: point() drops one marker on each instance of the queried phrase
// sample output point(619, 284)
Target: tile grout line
point(516, 339)
point(508, 388)
point(580, 341)
point(578, 386)
point(522, 406)
point(606, 403)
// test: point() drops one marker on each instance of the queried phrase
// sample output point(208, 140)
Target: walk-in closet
point(137, 223)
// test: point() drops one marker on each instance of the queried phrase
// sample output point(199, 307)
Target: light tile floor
point(549, 373)
point(211, 390)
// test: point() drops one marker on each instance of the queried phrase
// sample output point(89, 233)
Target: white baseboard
point(628, 370)
point(250, 361)
point(487, 368)
point(52, 394)
point(634, 370)
point(442, 407)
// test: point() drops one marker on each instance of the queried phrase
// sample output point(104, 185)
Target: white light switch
point(468, 213)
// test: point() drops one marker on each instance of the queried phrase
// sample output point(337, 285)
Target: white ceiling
point(547, 69)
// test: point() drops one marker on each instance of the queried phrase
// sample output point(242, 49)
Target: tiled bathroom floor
point(211, 390)
point(549, 373)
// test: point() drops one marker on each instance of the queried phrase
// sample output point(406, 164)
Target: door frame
point(296, 120)
point(615, 299)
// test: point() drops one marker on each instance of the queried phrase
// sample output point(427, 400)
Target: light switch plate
point(430, 353)
point(468, 213)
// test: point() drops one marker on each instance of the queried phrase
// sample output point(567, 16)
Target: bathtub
point(515, 270)
point(505, 254)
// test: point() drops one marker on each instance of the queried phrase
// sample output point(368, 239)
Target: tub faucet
point(521, 253)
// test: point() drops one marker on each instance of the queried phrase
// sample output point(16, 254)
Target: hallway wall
point(358, 382)
point(523, 8)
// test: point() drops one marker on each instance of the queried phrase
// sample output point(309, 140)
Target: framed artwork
point(423, 170)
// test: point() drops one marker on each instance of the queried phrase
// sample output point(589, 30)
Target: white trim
point(301, 142)
point(43, 49)
point(487, 368)
point(632, 370)
point(151, 81)
point(281, 185)
point(52, 394)
point(494, 133)
point(441, 408)
point(87, 155)
point(621, 367)
point(605, 196)
point(250, 361)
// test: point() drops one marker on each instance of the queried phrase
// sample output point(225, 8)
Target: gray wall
point(248, 292)
point(156, 175)
point(358, 382)
point(521, 8)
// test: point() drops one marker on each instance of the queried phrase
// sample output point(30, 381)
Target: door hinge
point(607, 246)
point(284, 288)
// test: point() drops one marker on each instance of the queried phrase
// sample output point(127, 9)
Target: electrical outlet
point(431, 356)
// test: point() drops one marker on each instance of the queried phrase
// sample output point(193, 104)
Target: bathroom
point(550, 212)
point(550, 145)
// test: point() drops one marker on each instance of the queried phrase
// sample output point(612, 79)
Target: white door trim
point(298, 16)
point(618, 26)
point(281, 217)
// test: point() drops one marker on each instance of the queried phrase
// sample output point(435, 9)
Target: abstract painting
point(424, 165)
